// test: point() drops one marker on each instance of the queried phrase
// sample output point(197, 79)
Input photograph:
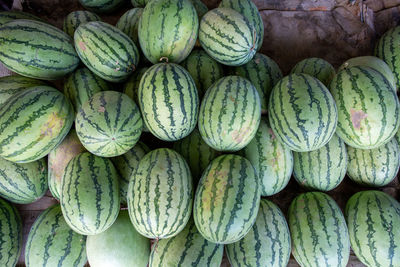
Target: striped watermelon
point(109, 124)
point(10, 234)
point(58, 159)
point(248, 9)
point(81, 85)
point(169, 101)
point(90, 194)
point(10, 85)
point(101, 6)
point(139, 3)
point(228, 37)
point(128, 23)
point(263, 73)
point(319, 232)
point(374, 167)
point(204, 70)
point(268, 242)
point(106, 50)
point(322, 169)
point(272, 160)
point(36, 49)
point(126, 164)
point(33, 122)
point(7, 16)
point(52, 243)
point(229, 114)
point(200, 7)
point(119, 246)
point(76, 18)
point(131, 86)
point(302, 112)
point(227, 199)
point(368, 107)
point(160, 194)
point(316, 67)
point(373, 218)
point(188, 248)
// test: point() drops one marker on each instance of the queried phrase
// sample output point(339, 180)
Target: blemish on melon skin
point(102, 109)
point(82, 45)
point(271, 133)
point(356, 117)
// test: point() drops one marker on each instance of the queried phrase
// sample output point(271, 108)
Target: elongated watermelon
point(373, 218)
point(316, 67)
point(322, 169)
point(188, 248)
point(10, 85)
point(160, 194)
point(200, 7)
point(7, 16)
point(228, 37)
point(227, 199)
point(272, 160)
point(106, 50)
point(76, 18)
point(131, 86)
point(52, 243)
point(268, 242)
point(368, 107)
point(101, 6)
point(318, 230)
point(33, 122)
point(119, 246)
point(168, 30)
point(90, 194)
point(229, 114)
point(128, 23)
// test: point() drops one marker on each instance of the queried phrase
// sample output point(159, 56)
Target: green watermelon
point(36, 49)
point(128, 23)
point(10, 85)
point(263, 73)
point(76, 18)
point(316, 67)
point(90, 194)
point(109, 124)
point(322, 169)
point(131, 86)
point(374, 167)
point(272, 160)
point(10, 234)
point(373, 218)
point(318, 230)
point(101, 6)
point(368, 107)
point(268, 242)
point(52, 243)
point(33, 122)
point(200, 7)
point(7, 16)
point(119, 246)
point(204, 70)
point(227, 199)
point(228, 37)
point(168, 101)
point(106, 50)
point(229, 114)
point(139, 3)
point(302, 112)
point(160, 194)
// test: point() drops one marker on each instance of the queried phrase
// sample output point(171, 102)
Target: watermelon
point(267, 243)
point(228, 37)
point(7, 16)
point(106, 50)
point(76, 18)
point(368, 107)
point(229, 114)
point(272, 160)
point(128, 23)
point(10, 234)
point(316, 67)
point(139, 3)
point(322, 169)
point(169, 101)
point(81, 85)
point(126, 164)
point(227, 199)
point(10, 85)
point(302, 112)
point(109, 124)
point(131, 86)
point(101, 6)
point(160, 194)
point(33, 122)
point(188, 248)
point(200, 7)
point(52, 243)
point(58, 159)
point(204, 70)
point(318, 230)
point(119, 246)
point(36, 49)
point(373, 218)
point(90, 194)
point(374, 167)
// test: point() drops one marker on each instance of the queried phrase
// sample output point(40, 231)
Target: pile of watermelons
point(239, 130)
